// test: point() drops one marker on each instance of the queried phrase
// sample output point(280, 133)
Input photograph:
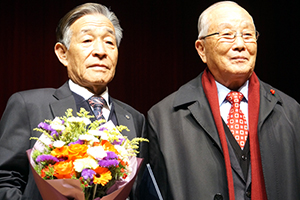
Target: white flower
point(57, 125)
point(86, 121)
point(58, 143)
point(122, 150)
point(102, 134)
point(80, 164)
point(56, 120)
point(97, 152)
point(88, 137)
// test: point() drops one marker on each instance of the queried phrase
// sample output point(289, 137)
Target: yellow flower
point(103, 176)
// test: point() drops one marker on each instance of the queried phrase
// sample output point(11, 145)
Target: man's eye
point(249, 34)
point(110, 43)
point(87, 41)
point(227, 33)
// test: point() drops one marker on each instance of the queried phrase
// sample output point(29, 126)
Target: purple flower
point(88, 174)
point(109, 160)
point(103, 129)
point(111, 155)
point(118, 142)
point(77, 142)
point(48, 128)
point(54, 133)
point(47, 158)
point(45, 126)
point(108, 163)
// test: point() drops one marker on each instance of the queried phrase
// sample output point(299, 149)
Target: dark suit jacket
point(186, 155)
point(24, 111)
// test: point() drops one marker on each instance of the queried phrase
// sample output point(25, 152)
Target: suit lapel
point(124, 118)
point(64, 101)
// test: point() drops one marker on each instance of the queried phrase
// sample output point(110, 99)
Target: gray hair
point(64, 33)
point(203, 21)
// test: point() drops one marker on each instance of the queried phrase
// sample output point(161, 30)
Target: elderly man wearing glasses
point(226, 134)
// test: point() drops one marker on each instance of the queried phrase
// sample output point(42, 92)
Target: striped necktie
point(97, 104)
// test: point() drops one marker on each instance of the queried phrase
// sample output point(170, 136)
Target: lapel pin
point(127, 116)
point(272, 92)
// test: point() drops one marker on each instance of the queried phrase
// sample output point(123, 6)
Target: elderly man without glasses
point(226, 134)
point(87, 45)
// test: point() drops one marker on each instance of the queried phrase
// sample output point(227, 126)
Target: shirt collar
point(85, 93)
point(223, 91)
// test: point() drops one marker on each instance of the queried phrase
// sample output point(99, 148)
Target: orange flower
point(64, 169)
point(43, 172)
point(123, 163)
point(77, 151)
point(108, 146)
point(96, 144)
point(60, 152)
point(103, 176)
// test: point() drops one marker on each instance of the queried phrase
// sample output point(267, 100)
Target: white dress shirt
point(225, 105)
point(81, 91)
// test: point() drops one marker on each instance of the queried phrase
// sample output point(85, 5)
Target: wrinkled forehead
point(229, 16)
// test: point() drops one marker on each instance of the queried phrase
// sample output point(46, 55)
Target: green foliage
point(133, 145)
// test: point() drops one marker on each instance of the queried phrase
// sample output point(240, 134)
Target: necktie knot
point(234, 97)
point(97, 104)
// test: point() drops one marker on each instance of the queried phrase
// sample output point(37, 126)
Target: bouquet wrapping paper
point(65, 189)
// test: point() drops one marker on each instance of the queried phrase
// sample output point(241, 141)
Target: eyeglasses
point(230, 35)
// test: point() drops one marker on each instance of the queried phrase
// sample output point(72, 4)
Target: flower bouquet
point(80, 159)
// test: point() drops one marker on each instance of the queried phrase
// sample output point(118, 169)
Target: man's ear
point(199, 45)
point(61, 53)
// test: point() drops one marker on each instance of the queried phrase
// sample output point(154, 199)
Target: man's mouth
point(98, 66)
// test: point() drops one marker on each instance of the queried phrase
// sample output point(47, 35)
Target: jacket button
point(248, 194)
point(218, 196)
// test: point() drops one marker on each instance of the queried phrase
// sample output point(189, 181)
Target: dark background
point(157, 53)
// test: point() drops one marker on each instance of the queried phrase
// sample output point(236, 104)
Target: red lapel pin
point(272, 91)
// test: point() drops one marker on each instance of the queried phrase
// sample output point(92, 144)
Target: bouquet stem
point(94, 192)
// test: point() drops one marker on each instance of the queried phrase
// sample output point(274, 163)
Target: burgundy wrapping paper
point(65, 189)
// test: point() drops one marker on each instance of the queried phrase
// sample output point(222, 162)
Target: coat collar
point(267, 102)
point(192, 97)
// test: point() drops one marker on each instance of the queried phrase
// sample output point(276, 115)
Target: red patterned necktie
point(236, 120)
point(97, 103)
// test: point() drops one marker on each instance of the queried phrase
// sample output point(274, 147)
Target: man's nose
point(99, 49)
point(239, 42)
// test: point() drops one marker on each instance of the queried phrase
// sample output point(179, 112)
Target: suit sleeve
point(140, 126)
point(156, 158)
point(14, 141)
